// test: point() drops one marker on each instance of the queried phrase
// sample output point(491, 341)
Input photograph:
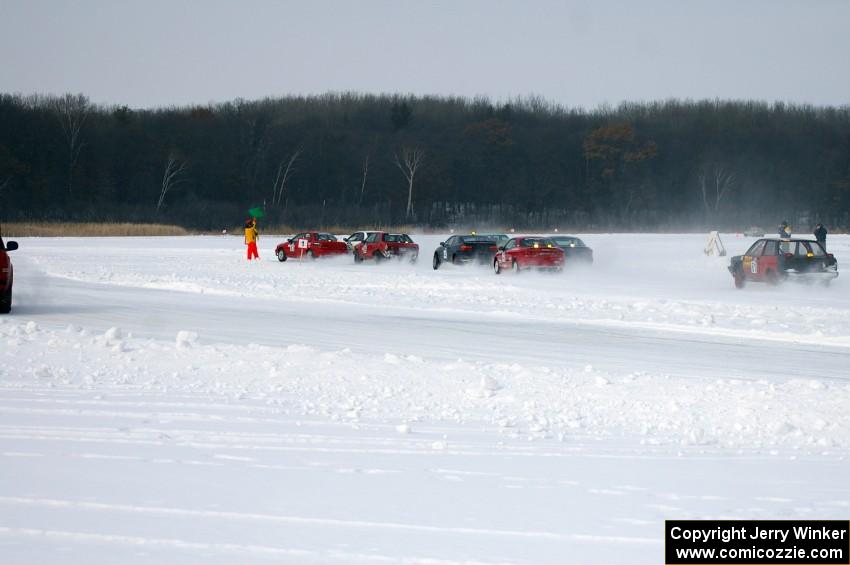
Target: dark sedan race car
point(775, 260)
point(6, 276)
point(521, 253)
point(575, 250)
point(461, 249)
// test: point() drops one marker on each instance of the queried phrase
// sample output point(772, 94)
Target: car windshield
point(568, 241)
point(756, 248)
point(537, 242)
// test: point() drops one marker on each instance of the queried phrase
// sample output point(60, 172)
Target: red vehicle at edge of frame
point(520, 253)
point(7, 275)
point(310, 245)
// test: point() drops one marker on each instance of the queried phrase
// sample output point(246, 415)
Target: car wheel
point(515, 267)
point(357, 257)
point(310, 254)
point(6, 301)
point(436, 262)
point(772, 278)
point(378, 257)
point(281, 256)
point(454, 260)
point(497, 268)
point(740, 281)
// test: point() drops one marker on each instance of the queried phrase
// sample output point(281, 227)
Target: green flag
point(256, 212)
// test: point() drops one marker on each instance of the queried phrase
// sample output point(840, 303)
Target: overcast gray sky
point(161, 52)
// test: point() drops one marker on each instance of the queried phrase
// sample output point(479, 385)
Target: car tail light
point(788, 255)
point(466, 248)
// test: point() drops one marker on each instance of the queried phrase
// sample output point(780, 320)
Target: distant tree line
point(357, 159)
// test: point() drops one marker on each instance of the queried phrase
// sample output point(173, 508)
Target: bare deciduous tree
point(410, 162)
point(363, 180)
point(283, 173)
point(72, 111)
point(174, 168)
point(715, 183)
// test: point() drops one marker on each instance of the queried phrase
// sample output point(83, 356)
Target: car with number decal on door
point(463, 249)
point(310, 245)
point(776, 260)
point(6, 276)
point(529, 252)
point(379, 246)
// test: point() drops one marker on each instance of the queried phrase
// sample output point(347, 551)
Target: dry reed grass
point(88, 229)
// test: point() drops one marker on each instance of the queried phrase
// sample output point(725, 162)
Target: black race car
point(775, 260)
point(460, 249)
point(575, 249)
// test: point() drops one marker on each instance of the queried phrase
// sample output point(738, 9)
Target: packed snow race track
point(164, 401)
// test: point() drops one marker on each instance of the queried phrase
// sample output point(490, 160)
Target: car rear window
point(569, 241)
point(814, 248)
point(537, 242)
point(398, 238)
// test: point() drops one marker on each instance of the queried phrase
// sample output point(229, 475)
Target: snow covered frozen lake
point(164, 401)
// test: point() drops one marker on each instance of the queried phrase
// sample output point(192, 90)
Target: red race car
point(529, 252)
point(310, 245)
point(776, 260)
point(6, 276)
point(382, 245)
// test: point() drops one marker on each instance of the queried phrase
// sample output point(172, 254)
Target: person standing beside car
point(820, 235)
point(251, 237)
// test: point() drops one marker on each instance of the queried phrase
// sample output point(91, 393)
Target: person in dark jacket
point(820, 235)
point(781, 229)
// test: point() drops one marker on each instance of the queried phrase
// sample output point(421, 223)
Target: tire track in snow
point(239, 549)
point(327, 522)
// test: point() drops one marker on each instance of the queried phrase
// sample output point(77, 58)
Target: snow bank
point(509, 399)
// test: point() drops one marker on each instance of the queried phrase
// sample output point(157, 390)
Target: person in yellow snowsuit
point(251, 237)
